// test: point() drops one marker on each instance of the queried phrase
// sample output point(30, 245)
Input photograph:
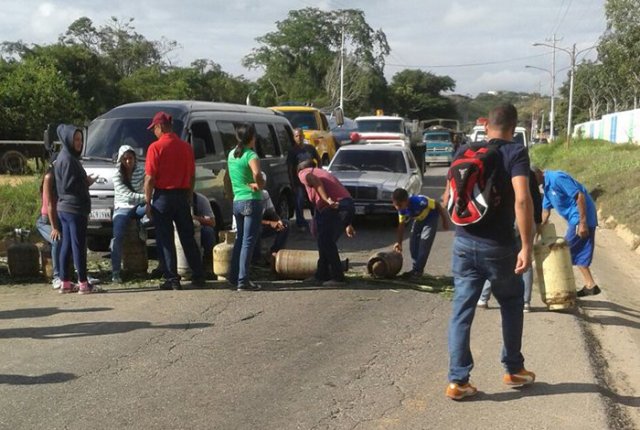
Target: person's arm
point(52, 211)
point(149, 185)
point(444, 216)
point(524, 221)
point(399, 237)
point(258, 179)
point(583, 228)
point(120, 189)
point(316, 183)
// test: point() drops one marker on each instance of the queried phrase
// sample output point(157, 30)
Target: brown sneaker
point(457, 391)
point(523, 377)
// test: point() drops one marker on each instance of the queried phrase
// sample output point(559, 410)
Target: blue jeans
point(421, 240)
point(44, 227)
point(300, 196)
point(474, 263)
point(248, 215)
point(121, 218)
point(74, 241)
point(330, 224)
point(169, 207)
point(279, 242)
point(527, 278)
point(207, 240)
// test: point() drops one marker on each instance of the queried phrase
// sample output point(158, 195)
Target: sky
point(483, 45)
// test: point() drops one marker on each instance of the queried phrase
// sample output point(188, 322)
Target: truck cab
point(315, 127)
point(383, 127)
point(439, 143)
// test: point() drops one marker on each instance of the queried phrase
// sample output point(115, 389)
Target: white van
point(519, 136)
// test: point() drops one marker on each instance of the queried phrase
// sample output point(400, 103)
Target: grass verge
point(610, 172)
point(20, 204)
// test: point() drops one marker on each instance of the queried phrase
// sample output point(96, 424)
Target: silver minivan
point(210, 128)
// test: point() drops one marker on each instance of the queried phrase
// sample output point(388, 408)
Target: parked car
point(315, 126)
point(439, 142)
point(211, 130)
point(371, 172)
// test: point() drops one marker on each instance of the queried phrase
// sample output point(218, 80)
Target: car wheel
point(14, 162)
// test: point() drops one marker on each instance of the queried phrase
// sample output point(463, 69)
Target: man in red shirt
point(334, 212)
point(170, 177)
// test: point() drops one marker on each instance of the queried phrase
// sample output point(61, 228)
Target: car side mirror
point(198, 148)
point(338, 113)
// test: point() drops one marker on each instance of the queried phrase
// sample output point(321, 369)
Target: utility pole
point(552, 114)
point(569, 114)
point(342, 68)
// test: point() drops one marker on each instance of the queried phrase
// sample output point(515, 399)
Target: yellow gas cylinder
point(23, 257)
point(134, 250)
point(222, 254)
point(297, 264)
point(384, 264)
point(181, 259)
point(540, 252)
point(46, 262)
point(560, 284)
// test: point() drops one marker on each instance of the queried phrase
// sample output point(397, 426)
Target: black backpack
point(472, 185)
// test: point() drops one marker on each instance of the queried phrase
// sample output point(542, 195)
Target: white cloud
point(459, 16)
point(48, 20)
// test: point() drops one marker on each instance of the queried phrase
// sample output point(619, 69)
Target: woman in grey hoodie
point(128, 202)
point(74, 205)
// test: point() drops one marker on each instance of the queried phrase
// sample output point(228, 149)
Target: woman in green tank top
point(247, 182)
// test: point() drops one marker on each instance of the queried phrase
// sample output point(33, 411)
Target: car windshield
point(106, 136)
point(437, 137)
point(303, 120)
point(381, 126)
point(380, 161)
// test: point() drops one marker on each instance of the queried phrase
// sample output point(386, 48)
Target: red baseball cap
point(160, 118)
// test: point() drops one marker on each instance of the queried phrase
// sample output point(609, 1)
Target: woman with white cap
point(128, 202)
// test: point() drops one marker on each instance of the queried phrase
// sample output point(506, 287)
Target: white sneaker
point(56, 284)
point(93, 281)
point(483, 304)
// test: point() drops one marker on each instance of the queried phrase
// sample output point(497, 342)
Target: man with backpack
point(487, 191)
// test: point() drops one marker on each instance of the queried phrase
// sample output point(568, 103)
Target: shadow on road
point(90, 329)
point(44, 312)
point(602, 306)
point(48, 378)
point(544, 389)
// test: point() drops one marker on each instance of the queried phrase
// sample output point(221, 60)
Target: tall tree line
point(91, 69)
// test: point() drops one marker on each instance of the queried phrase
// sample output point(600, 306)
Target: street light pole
point(552, 115)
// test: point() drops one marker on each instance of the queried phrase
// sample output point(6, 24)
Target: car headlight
point(386, 195)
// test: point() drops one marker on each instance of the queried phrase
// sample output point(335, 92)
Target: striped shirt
point(124, 197)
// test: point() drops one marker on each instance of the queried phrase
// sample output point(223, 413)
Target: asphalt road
point(365, 356)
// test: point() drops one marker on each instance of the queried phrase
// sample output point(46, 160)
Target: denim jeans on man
point(44, 227)
point(74, 241)
point(330, 224)
point(300, 196)
point(207, 241)
point(527, 278)
point(121, 219)
point(248, 215)
point(169, 207)
point(423, 234)
point(474, 262)
point(279, 242)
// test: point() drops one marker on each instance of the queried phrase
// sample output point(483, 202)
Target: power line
point(487, 63)
point(563, 16)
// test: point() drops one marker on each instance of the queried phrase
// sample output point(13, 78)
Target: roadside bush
point(20, 204)
point(611, 173)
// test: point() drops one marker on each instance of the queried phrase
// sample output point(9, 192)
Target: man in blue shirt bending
point(572, 201)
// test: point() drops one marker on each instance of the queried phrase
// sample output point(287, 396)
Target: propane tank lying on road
point(297, 264)
point(23, 257)
point(553, 261)
point(222, 254)
point(385, 264)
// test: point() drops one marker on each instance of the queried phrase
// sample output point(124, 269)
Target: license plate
point(100, 215)
point(359, 210)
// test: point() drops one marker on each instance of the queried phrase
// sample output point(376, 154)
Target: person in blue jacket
point(74, 205)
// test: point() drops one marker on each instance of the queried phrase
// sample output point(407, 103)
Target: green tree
point(418, 95)
point(298, 57)
point(33, 94)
